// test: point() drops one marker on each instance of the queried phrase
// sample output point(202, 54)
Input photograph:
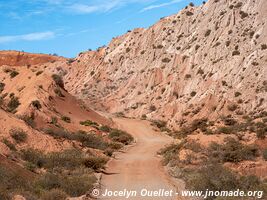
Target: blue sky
point(67, 27)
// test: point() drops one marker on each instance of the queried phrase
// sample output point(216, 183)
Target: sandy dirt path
point(139, 166)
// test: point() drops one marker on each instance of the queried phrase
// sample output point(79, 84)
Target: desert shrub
point(261, 131)
point(120, 136)
point(188, 76)
point(13, 104)
point(2, 87)
point(34, 157)
point(263, 46)
point(11, 181)
point(58, 92)
point(105, 128)
point(143, 117)
point(159, 123)
point(207, 33)
point(166, 60)
point(152, 108)
point(13, 74)
point(193, 93)
point(189, 13)
point(29, 120)
point(170, 152)
point(237, 94)
point(90, 140)
point(264, 154)
point(49, 181)
point(54, 121)
point(128, 49)
point(68, 159)
point(201, 124)
point(39, 73)
point(232, 107)
point(54, 194)
point(9, 144)
point(243, 14)
point(232, 151)
point(212, 177)
point(89, 123)
point(58, 133)
point(58, 80)
point(36, 104)
point(77, 185)
point(95, 163)
point(18, 134)
point(235, 53)
point(229, 121)
point(193, 145)
point(66, 119)
point(225, 130)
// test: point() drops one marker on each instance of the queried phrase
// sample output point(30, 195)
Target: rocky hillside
point(46, 133)
point(204, 61)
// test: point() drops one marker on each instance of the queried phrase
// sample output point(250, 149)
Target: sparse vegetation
point(207, 33)
point(13, 74)
point(36, 104)
point(193, 93)
point(166, 60)
point(58, 80)
point(152, 108)
point(13, 104)
point(232, 151)
point(120, 136)
point(232, 107)
point(18, 134)
point(39, 73)
point(66, 119)
point(58, 92)
point(9, 144)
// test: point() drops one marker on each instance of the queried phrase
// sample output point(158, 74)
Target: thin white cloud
point(154, 6)
point(82, 8)
point(28, 37)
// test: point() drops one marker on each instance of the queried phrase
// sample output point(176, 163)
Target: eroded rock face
point(204, 61)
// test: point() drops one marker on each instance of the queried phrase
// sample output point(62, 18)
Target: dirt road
point(139, 166)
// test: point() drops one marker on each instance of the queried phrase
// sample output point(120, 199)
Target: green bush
point(13, 74)
point(95, 163)
point(54, 194)
point(212, 177)
point(90, 140)
point(68, 159)
point(18, 134)
point(36, 104)
point(13, 104)
point(9, 144)
point(120, 136)
point(34, 157)
point(170, 152)
point(12, 181)
point(232, 151)
point(105, 128)
point(89, 123)
point(66, 119)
